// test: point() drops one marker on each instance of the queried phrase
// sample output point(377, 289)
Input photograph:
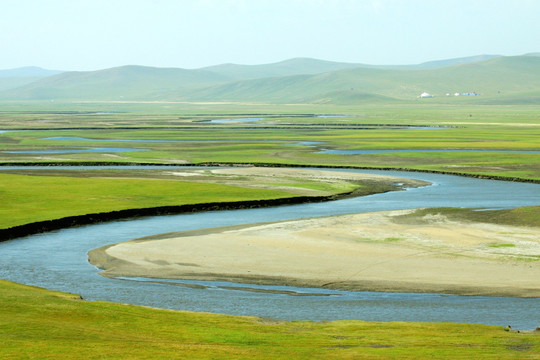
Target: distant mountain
point(309, 66)
point(297, 66)
point(125, 82)
point(456, 61)
point(7, 83)
point(494, 78)
point(28, 71)
point(13, 78)
point(489, 78)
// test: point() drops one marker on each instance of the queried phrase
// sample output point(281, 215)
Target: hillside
point(456, 61)
point(501, 76)
point(496, 79)
point(126, 82)
point(298, 66)
point(7, 83)
point(14, 78)
point(28, 71)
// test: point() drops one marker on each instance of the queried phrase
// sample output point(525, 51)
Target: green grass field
point(53, 194)
point(38, 323)
point(28, 199)
point(279, 139)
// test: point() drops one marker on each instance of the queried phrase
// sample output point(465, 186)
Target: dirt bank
point(373, 251)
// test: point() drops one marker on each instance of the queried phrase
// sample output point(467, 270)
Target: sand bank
point(372, 251)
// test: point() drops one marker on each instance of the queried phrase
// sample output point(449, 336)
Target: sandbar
point(360, 252)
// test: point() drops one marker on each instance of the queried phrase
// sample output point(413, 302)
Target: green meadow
point(38, 323)
point(280, 138)
point(33, 196)
point(27, 198)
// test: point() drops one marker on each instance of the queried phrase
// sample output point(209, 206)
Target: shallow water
point(383, 151)
point(58, 260)
point(75, 150)
point(228, 121)
point(75, 138)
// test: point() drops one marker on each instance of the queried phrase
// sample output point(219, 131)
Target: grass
point(523, 216)
point(340, 187)
point(44, 324)
point(473, 127)
point(502, 245)
point(393, 239)
point(36, 323)
point(27, 199)
point(37, 195)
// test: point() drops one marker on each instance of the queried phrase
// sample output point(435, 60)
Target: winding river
point(58, 260)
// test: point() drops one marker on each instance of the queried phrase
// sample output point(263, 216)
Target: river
point(58, 260)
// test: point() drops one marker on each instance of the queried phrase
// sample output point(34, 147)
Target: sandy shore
point(372, 251)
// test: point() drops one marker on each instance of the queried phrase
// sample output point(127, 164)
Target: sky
point(82, 35)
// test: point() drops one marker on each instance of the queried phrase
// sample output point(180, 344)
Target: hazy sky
point(98, 34)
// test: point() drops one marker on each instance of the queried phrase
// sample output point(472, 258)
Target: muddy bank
point(276, 165)
point(359, 252)
point(79, 220)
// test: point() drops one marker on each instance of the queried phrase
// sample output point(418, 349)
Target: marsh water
point(383, 151)
point(317, 145)
point(58, 260)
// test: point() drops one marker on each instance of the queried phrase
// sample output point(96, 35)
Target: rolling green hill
point(496, 79)
point(456, 61)
point(298, 66)
point(14, 78)
point(28, 71)
point(126, 82)
point(7, 83)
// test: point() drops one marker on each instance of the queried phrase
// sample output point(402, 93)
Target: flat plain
point(498, 141)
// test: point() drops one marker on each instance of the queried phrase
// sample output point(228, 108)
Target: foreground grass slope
point(37, 323)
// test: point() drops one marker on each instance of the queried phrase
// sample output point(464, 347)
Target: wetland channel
point(58, 260)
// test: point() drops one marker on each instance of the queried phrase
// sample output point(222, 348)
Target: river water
point(58, 260)
point(390, 151)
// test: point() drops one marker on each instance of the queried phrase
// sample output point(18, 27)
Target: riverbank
point(182, 190)
point(267, 164)
point(384, 251)
point(35, 326)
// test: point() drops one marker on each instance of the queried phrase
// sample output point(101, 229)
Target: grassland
point(37, 323)
point(41, 324)
point(280, 138)
point(27, 199)
point(48, 194)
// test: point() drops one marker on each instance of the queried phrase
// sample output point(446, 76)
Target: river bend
point(58, 261)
